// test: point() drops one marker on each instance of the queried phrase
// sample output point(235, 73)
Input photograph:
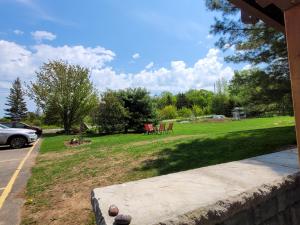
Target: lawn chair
point(149, 128)
point(170, 127)
point(162, 128)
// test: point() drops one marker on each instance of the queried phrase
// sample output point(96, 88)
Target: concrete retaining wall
point(263, 190)
point(274, 204)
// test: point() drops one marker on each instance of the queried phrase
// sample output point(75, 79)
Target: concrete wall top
point(164, 198)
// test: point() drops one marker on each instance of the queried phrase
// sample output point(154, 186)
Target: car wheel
point(18, 142)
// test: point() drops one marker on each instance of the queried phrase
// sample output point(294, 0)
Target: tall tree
point(139, 105)
point(166, 98)
point(15, 101)
point(257, 44)
point(182, 101)
point(260, 93)
point(200, 98)
point(64, 92)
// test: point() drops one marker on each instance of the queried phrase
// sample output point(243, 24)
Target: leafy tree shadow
point(231, 147)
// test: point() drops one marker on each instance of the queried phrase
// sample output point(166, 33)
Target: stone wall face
point(96, 208)
point(256, 191)
point(273, 204)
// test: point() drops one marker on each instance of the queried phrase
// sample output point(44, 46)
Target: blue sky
point(161, 45)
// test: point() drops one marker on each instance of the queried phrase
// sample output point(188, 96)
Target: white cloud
point(178, 77)
point(18, 32)
point(136, 56)
point(17, 60)
point(149, 66)
point(41, 35)
point(85, 56)
point(21, 61)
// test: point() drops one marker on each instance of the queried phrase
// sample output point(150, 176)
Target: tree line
point(66, 96)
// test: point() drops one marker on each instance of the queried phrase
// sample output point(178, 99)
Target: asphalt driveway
point(15, 165)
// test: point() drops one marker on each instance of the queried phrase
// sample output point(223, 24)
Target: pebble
point(122, 220)
point(113, 211)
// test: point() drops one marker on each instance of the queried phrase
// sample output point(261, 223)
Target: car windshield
point(3, 127)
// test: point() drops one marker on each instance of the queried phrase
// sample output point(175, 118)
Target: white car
point(16, 138)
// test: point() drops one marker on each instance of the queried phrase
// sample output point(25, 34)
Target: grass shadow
point(210, 151)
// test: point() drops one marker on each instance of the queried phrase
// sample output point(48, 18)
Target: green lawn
point(59, 189)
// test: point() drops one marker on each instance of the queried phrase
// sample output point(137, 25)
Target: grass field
point(59, 189)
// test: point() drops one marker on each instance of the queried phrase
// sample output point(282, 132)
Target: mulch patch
point(75, 144)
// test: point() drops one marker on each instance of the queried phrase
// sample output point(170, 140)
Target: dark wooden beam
point(282, 4)
point(265, 14)
point(292, 25)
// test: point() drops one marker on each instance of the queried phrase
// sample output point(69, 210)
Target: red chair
point(149, 129)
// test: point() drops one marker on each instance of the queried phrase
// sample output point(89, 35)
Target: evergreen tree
point(139, 106)
point(182, 101)
point(15, 101)
point(257, 44)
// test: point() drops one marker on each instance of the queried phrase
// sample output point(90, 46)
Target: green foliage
point(222, 86)
point(182, 101)
point(222, 105)
point(113, 116)
point(140, 107)
point(165, 99)
point(31, 116)
point(64, 92)
point(15, 101)
point(201, 98)
point(261, 93)
point(185, 112)
point(4, 119)
point(199, 101)
point(255, 44)
point(36, 122)
point(197, 110)
point(168, 112)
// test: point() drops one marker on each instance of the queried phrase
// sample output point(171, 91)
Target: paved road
point(10, 160)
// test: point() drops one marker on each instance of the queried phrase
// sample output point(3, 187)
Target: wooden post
point(292, 27)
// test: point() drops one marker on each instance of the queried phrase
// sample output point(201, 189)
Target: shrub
point(168, 112)
point(185, 112)
point(37, 122)
point(197, 111)
point(112, 115)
